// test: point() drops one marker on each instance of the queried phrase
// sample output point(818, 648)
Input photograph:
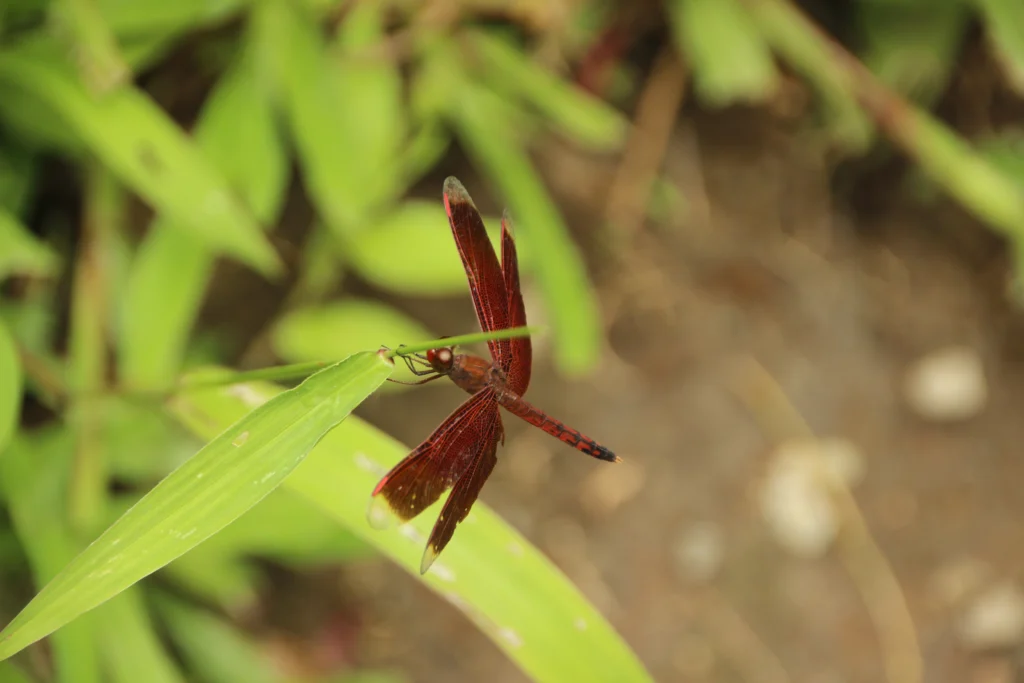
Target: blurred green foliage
point(361, 100)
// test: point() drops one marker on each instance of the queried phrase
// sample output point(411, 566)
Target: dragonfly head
point(441, 359)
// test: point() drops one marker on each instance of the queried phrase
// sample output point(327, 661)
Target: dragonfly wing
point(464, 493)
point(486, 283)
point(436, 464)
point(518, 364)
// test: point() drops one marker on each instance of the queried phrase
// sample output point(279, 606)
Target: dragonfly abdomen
point(537, 417)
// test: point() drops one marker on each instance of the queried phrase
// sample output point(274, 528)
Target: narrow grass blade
point(556, 260)
point(34, 476)
point(129, 645)
point(148, 152)
point(544, 625)
point(573, 111)
point(213, 649)
point(10, 387)
point(131, 17)
point(731, 61)
point(233, 472)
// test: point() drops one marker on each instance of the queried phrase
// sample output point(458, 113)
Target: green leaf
point(916, 63)
point(147, 151)
point(331, 331)
point(575, 112)
point(411, 251)
point(238, 132)
point(1004, 21)
point(89, 38)
point(557, 263)
point(131, 649)
point(11, 674)
point(545, 625)
point(20, 252)
point(344, 112)
point(128, 17)
point(227, 477)
point(730, 60)
point(228, 582)
point(34, 476)
point(213, 649)
point(19, 170)
point(10, 387)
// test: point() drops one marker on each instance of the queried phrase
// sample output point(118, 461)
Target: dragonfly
point(461, 453)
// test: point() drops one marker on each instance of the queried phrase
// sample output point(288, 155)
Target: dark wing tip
point(455, 192)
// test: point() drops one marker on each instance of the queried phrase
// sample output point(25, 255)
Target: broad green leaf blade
point(545, 625)
point(10, 387)
point(148, 152)
point(34, 476)
point(227, 477)
point(730, 60)
point(130, 646)
point(21, 252)
point(213, 649)
point(558, 266)
point(1004, 21)
point(238, 132)
point(576, 113)
point(330, 102)
point(411, 251)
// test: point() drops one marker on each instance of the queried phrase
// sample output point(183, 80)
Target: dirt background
point(777, 272)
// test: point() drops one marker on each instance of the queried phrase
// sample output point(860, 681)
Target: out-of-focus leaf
point(231, 583)
point(18, 171)
point(330, 331)
point(142, 444)
point(411, 251)
point(213, 649)
point(128, 17)
point(344, 112)
point(556, 261)
point(89, 38)
point(792, 38)
point(916, 62)
point(573, 111)
point(20, 252)
point(228, 476)
point(731, 61)
point(34, 475)
point(131, 650)
point(1004, 21)
point(138, 142)
point(11, 674)
point(10, 387)
point(238, 132)
point(545, 626)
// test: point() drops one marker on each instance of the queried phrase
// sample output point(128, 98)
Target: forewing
point(464, 494)
point(486, 283)
point(436, 464)
point(519, 363)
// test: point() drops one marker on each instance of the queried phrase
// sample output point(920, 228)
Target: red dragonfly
point(460, 454)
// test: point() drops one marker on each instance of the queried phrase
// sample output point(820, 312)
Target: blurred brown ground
point(833, 296)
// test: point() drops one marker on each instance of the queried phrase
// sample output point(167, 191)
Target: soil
point(766, 271)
